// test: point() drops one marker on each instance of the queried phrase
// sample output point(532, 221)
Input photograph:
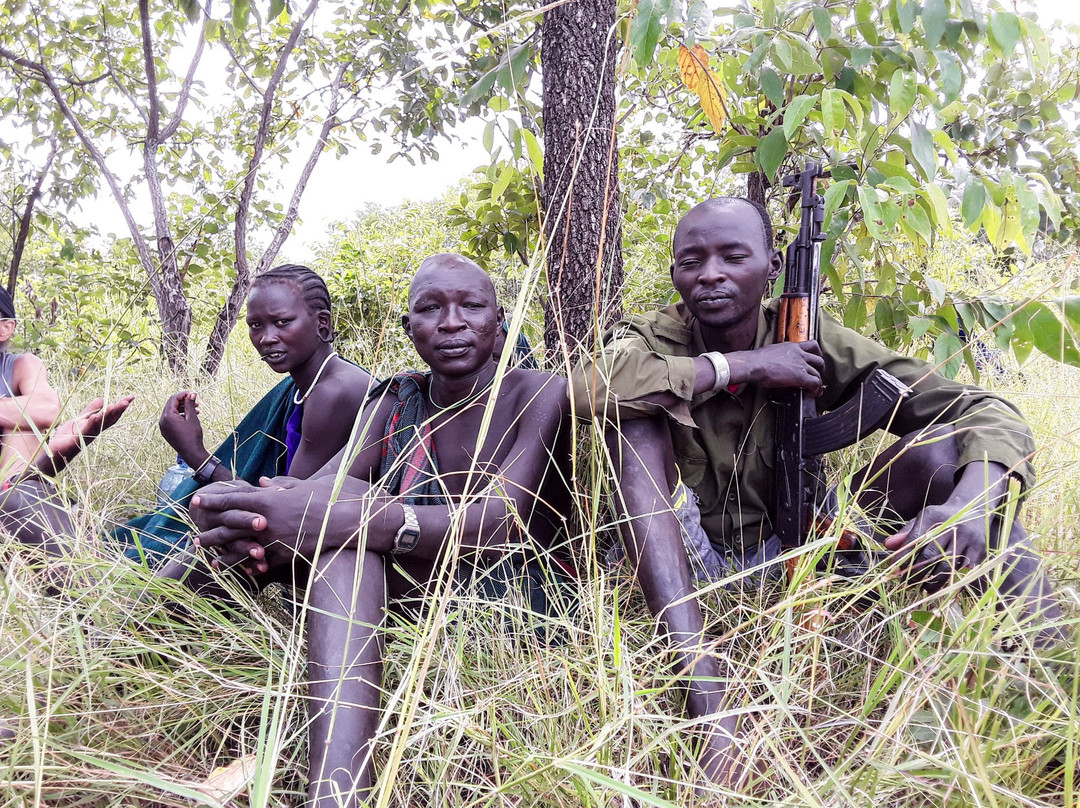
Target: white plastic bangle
point(721, 367)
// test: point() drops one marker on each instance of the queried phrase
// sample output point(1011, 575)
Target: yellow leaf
point(712, 94)
point(692, 65)
point(225, 782)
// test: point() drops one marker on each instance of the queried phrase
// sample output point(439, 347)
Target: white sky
point(339, 188)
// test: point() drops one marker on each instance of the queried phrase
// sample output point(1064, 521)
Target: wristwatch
point(409, 534)
point(205, 473)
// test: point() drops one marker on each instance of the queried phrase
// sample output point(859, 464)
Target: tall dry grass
point(897, 699)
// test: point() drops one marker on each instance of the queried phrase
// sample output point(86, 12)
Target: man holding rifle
point(687, 396)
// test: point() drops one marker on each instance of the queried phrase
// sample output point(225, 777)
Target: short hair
point(763, 214)
point(312, 287)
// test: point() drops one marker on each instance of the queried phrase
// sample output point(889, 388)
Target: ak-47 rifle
point(802, 435)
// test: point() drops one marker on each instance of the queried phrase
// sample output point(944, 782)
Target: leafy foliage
point(927, 113)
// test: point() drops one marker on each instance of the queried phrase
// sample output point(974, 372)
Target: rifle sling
point(869, 409)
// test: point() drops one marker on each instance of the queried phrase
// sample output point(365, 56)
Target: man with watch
point(456, 477)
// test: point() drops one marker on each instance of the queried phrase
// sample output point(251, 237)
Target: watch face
point(406, 540)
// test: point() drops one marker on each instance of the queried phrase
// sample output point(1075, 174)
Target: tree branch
point(141, 246)
point(151, 75)
point(329, 124)
point(27, 217)
point(226, 317)
point(185, 88)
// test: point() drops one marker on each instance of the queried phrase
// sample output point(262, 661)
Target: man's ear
point(7, 329)
point(671, 268)
point(776, 265)
point(406, 325)
point(501, 315)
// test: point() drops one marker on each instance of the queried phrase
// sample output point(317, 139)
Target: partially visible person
point(31, 510)
point(295, 429)
point(457, 472)
point(28, 404)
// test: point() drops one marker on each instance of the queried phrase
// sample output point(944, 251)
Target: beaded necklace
point(297, 398)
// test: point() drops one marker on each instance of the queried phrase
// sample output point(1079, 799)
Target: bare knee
point(916, 471)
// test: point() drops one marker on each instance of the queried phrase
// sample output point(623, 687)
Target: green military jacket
point(724, 442)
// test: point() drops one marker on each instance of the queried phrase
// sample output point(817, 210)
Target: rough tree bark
point(582, 216)
point(173, 306)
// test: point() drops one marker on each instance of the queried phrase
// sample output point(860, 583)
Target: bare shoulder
point(537, 389)
point(28, 364)
point(28, 374)
point(341, 392)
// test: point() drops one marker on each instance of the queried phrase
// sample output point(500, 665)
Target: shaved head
point(719, 203)
point(467, 273)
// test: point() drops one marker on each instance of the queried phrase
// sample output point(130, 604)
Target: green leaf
point(915, 217)
point(832, 114)
point(795, 113)
point(873, 216)
point(536, 154)
point(500, 185)
point(974, 201)
point(645, 29)
point(512, 73)
point(1029, 213)
point(834, 197)
point(948, 354)
point(771, 151)
point(481, 88)
point(276, 7)
point(781, 50)
point(951, 78)
point(698, 21)
point(901, 93)
point(240, 11)
point(1070, 307)
point(772, 85)
point(923, 151)
point(934, 16)
point(1004, 32)
point(907, 12)
point(822, 22)
point(191, 9)
point(1050, 335)
point(939, 206)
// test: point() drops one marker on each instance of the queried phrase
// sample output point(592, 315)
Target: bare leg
point(645, 466)
point(916, 471)
point(347, 601)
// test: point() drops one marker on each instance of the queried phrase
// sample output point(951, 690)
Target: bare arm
point(75, 435)
point(35, 404)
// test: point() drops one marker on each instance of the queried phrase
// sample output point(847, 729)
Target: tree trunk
point(582, 215)
point(756, 186)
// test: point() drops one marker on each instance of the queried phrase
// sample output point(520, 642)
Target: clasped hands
point(256, 528)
